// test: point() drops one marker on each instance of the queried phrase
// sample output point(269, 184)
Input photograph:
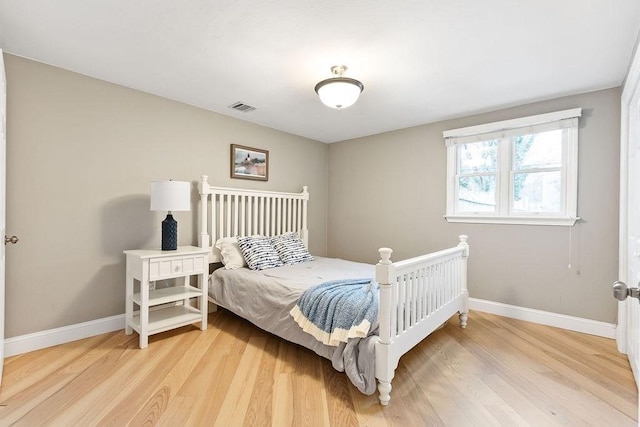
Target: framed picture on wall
point(249, 163)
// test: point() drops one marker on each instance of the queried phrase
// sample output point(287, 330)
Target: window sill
point(517, 220)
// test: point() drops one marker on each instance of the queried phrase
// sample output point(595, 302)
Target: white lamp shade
point(339, 94)
point(170, 196)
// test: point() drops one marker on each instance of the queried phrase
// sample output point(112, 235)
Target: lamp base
point(169, 233)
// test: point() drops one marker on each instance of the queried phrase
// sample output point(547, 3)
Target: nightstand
point(153, 311)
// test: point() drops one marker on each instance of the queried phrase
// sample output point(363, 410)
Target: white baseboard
point(65, 334)
point(587, 326)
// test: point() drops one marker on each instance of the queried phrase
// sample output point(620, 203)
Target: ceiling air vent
point(241, 106)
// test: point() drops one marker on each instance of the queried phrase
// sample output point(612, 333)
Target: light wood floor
point(498, 371)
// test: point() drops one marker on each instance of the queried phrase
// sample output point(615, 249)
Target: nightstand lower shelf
point(167, 318)
point(165, 295)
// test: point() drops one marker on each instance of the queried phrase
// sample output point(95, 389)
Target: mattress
point(266, 297)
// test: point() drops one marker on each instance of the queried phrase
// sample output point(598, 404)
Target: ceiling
point(420, 61)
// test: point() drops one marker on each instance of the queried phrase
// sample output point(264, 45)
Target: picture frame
point(249, 163)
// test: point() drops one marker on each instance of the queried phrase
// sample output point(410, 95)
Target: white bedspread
point(266, 297)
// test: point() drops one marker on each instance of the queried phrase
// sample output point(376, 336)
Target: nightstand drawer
point(163, 268)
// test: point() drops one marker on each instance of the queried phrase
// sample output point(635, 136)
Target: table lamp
point(170, 196)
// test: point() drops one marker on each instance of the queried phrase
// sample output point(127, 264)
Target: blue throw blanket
point(338, 310)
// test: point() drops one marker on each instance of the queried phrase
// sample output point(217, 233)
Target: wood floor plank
point(59, 403)
point(208, 381)
point(532, 375)
point(453, 412)
point(520, 407)
point(340, 406)
point(150, 404)
point(260, 404)
point(22, 371)
point(29, 392)
point(562, 359)
point(137, 373)
point(20, 405)
point(309, 395)
point(283, 409)
point(310, 403)
point(526, 376)
point(457, 372)
point(207, 406)
point(174, 416)
point(236, 400)
point(559, 342)
point(565, 350)
point(368, 410)
point(408, 408)
point(498, 371)
point(136, 393)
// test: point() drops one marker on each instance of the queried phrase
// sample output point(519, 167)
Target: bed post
point(385, 276)
point(304, 232)
point(203, 188)
point(463, 272)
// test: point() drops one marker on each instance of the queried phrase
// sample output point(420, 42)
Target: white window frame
point(504, 132)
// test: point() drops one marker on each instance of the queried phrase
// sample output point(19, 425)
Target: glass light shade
point(339, 92)
point(170, 196)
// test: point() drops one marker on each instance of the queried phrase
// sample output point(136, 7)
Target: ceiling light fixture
point(339, 92)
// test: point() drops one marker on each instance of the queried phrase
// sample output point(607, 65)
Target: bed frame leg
point(384, 387)
point(463, 320)
point(212, 307)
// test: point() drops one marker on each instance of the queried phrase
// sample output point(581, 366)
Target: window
point(521, 171)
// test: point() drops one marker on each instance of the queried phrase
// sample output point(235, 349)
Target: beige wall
point(81, 153)
point(390, 190)
point(80, 157)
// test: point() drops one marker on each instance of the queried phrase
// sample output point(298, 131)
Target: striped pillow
point(258, 253)
point(291, 249)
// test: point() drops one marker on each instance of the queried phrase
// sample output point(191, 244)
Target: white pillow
point(231, 255)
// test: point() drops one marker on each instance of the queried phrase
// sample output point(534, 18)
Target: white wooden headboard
point(239, 212)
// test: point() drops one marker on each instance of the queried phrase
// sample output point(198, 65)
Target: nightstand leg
point(203, 301)
point(186, 284)
point(128, 305)
point(144, 311)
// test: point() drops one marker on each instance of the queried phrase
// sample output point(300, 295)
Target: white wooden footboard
point(416, 297)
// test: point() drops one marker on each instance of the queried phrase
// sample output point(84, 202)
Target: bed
point(416, 296)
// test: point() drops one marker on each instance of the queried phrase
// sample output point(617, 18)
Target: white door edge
point(3, 180)
point(629, 122)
